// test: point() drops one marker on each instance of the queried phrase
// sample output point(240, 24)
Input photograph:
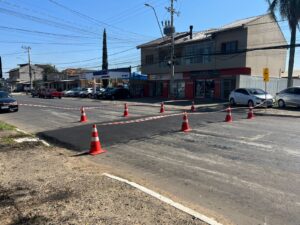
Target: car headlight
point(13, 103)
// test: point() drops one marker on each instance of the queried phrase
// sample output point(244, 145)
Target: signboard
point(266, 75)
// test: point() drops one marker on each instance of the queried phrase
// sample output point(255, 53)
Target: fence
point(273, 86)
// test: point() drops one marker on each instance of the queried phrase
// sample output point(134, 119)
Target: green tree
point(48, 69)
point(290, 11)
point(104, 52)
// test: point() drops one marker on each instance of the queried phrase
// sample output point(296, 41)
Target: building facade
point(19, 78)
point(208, 63)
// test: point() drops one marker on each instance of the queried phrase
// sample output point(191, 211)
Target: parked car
point(99, 92)
point(86, 92)
point(7, 102)
point(34, 93)
point(74, 92)
point(116, 93)
point(250, 97)
point(49, 93)
point(288, 97)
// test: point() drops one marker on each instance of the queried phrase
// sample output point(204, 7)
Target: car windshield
point(109, 89)
point(256, 91)
point(4, 95)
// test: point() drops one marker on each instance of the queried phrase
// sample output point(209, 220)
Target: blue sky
point(66, 38)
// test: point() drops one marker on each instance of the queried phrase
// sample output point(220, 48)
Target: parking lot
point(246, 172)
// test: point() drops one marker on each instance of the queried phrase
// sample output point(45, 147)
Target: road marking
point(229, 138)
point(164, 199)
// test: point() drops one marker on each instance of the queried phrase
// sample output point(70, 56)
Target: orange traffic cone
point(95, 143)
point(193, 109)
point(83, 117)
point(228, 117)
point(185, 127)
point(250, 113)
point(126, 110)
point(162, 107)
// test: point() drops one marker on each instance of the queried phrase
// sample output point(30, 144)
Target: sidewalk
point(45, 185)
point(286, 112)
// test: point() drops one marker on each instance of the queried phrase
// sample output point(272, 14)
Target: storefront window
point(205, 88)
point(178, 88)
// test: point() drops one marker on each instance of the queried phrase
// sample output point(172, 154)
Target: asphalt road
point(248, 171)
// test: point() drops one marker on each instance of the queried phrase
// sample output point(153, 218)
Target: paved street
point(247, 172)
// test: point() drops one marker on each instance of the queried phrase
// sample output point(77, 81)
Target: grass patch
point(5, 126)
point(7, 141)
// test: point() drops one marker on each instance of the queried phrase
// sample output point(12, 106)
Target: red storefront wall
point(165, 92)
point(217, 93)
point(189, 89)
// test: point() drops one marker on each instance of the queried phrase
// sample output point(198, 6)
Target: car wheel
point(281, 103)
point(232, 102)
point(250, 103)
point(89, 96)
point(113, 97)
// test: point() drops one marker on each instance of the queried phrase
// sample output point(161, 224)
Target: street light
point(148, 5)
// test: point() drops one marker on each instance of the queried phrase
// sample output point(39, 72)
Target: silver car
point(250, 97)
point(288, 97)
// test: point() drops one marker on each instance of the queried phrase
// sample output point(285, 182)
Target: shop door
point(205, 88)
point(209, 88)
point(180, 89)
point(200, 89)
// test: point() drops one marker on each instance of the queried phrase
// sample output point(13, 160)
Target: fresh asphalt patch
point(78, 138)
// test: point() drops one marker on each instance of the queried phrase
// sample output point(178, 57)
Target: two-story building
point(19, 78)
point(208, 63)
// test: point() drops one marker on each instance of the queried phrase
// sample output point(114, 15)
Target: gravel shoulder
point(45, 185)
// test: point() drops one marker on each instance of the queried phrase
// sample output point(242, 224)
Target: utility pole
point(28, 48)
point(172, 11)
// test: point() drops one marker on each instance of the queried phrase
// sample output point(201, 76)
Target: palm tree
point(290, 11)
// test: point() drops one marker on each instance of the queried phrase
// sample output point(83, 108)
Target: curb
point(276, 115)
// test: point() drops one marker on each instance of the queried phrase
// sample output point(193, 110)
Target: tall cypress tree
point(1, 74)
point(104, 53)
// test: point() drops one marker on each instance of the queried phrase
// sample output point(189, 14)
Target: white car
point(86, 92)
point(250, 97)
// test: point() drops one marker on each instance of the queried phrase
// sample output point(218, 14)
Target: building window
point(149, 60)
point(197, 54)
point(229, 47)
point(163, 56)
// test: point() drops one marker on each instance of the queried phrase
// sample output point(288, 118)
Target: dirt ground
point(46, 185)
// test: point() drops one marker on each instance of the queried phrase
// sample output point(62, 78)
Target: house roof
point(183, 37)
point(12, 70)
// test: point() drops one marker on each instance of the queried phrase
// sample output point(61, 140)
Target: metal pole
point(148, 5)
point(172, 89)
point(29, 65)
point(266, 94)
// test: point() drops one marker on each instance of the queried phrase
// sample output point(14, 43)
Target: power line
point(43, 33)
point(44, 21)
point(40, 13)
point(89, 18)
point(53, 23)
point(45, 43)
point(13, 53)
point(230, 54)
